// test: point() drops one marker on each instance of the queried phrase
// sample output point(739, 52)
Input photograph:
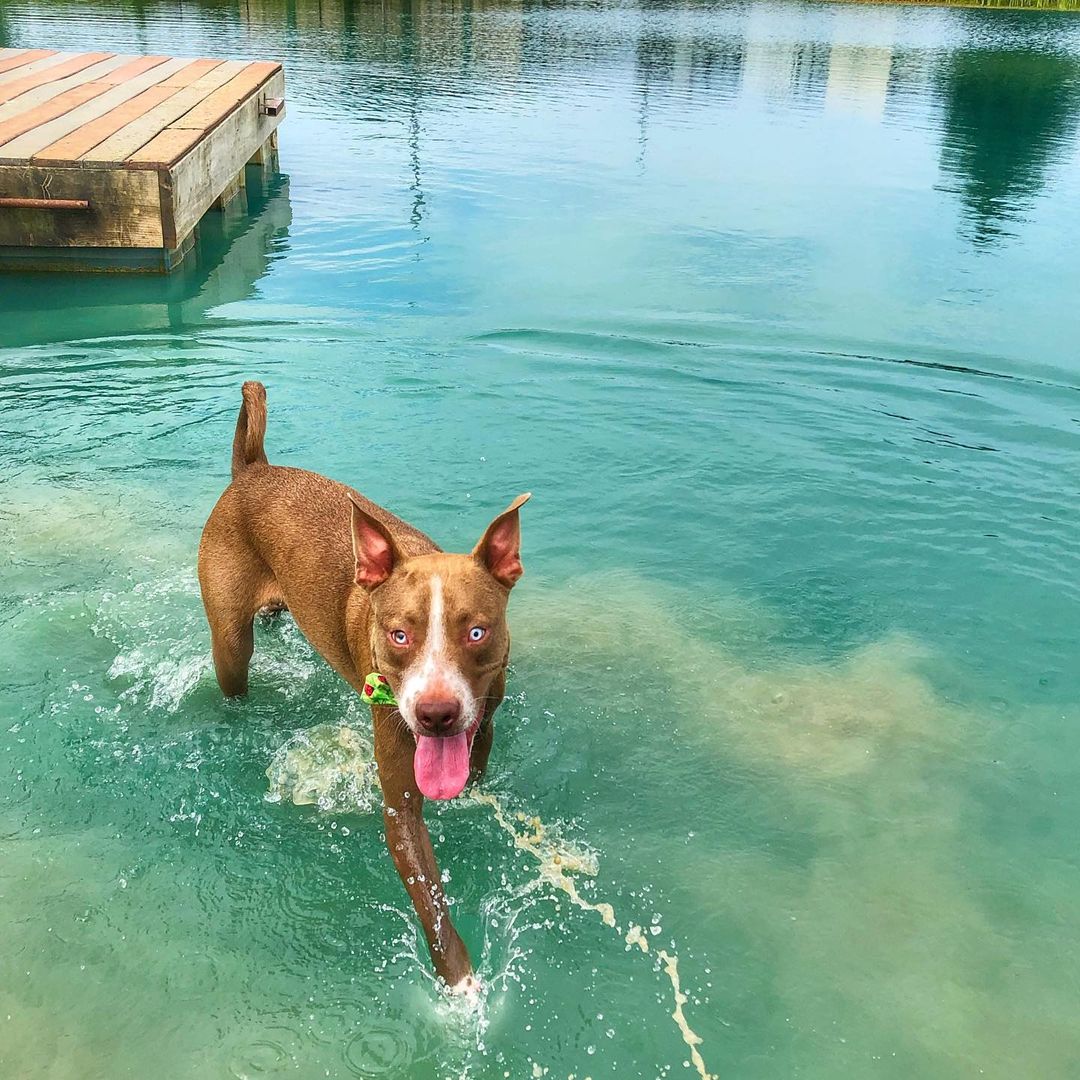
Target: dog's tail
point(247, 447)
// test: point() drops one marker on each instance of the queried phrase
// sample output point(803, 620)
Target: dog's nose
point(437, 717)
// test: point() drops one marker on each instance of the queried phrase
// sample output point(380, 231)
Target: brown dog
point(371, 594)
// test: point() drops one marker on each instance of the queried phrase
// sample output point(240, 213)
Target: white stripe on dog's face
point(434, 675)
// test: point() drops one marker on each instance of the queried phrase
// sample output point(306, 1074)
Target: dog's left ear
point(500, 547)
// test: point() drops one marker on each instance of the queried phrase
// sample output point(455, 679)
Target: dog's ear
point(374, 549)
point(500, 547)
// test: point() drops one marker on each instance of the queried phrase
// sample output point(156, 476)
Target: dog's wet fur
point(370, 593)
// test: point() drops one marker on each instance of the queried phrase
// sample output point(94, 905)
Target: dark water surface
point(774, 308)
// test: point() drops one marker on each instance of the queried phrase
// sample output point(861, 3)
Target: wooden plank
point(125, 208)
point(63, 103)
point(84, 116)
point(87, 136)
point(199, 68)
point(71, 66)
point(137, 133)
point(132, 68)
point(216, 106)
point(49, 60)
point(46, 92)
point(165, 148)
point(189, 187)
point(20, 57)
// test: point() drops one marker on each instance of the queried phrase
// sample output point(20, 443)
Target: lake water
point(773, 306)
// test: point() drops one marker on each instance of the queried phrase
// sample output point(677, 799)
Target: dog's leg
point(235, 583)
point(410, 846)
point(232, 645)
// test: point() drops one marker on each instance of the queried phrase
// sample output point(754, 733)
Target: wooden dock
point(109, 161)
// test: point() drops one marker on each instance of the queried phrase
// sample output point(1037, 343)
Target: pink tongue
point(442, 765)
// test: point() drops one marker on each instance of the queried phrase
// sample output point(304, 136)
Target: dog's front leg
point(410, 846)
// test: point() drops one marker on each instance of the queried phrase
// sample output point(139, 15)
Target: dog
point(371, 594)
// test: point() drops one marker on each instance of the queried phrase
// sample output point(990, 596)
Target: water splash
point(330, 766)
point(168, 657)
point(557, 861)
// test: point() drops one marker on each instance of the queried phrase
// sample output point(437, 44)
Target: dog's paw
point(468, 989)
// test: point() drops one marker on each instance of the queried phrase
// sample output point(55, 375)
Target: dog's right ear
point(374, 549)
point(500, 547)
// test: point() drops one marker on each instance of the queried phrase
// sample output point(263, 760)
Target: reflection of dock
point(110, 161)
point(230, 253)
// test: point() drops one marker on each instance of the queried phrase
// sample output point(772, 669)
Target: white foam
point(330, 766)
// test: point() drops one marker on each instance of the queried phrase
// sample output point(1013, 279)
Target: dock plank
point(21, 57)
point(125, 209)
point(136, 134)
point(200, 68)
point(164, 148)
point(73, 66)
point(72, 146)
point(40, 94)
point(26, 121)
point(132, 69)
point(82, 117)
point(217, 105)
point(50, 59)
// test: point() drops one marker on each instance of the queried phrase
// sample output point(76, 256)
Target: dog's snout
point(438, 715)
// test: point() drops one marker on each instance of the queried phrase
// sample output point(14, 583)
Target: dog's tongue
point(442, 765)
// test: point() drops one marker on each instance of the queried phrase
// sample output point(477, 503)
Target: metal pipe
point(12, 203)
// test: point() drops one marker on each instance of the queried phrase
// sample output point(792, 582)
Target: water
point(773, 307)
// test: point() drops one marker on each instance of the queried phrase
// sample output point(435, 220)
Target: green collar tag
point(377, 690)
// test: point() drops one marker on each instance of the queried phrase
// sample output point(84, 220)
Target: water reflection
point(1009, 117)
point(1005, 116)
point(859, 79)
point(233, 251)
point(998, 91)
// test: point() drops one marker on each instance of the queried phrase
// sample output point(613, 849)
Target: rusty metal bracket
point(13, 203)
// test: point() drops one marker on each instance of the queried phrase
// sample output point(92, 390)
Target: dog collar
point(377, 690)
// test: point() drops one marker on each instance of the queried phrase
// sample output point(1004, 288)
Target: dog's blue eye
point(477, 633)
point(399, 637)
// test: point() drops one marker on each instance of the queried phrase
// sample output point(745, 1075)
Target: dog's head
point(440, 636)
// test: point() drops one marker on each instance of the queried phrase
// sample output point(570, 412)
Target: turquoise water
point(773, 307)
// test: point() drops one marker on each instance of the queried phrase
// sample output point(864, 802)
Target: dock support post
point(267, 153)
point(233, 189)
